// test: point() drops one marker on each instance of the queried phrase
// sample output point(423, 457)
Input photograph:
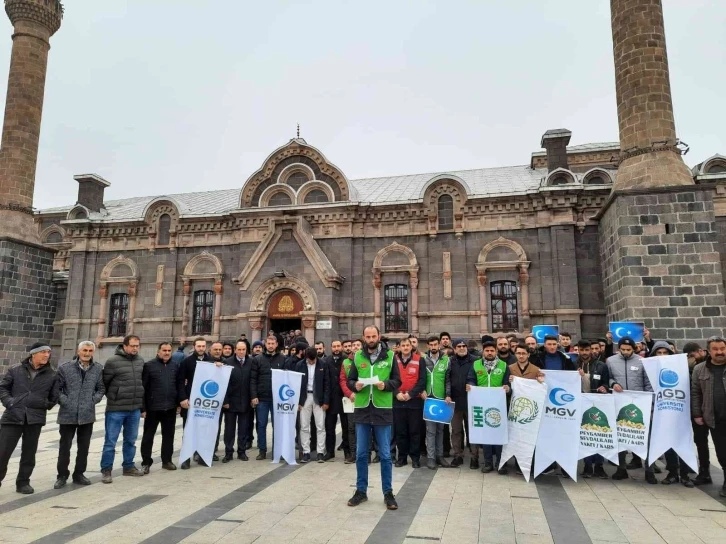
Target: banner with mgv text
point(205, 405)
point(285, 399)
point(633, 421)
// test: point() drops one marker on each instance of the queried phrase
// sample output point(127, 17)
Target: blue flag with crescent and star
point(438, 411)
point(621, 329)
point(540, 331)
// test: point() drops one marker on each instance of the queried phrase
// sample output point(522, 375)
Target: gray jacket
point(702, 393)
point(78, 394)
point(122, 377)
point(628, 373)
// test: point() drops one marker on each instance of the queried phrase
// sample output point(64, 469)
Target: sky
point(170, 96)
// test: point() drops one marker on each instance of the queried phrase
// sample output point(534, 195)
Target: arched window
point(280, 199)
point(54, 238)
point(595, 180)
point(316, 195)
point(203, 312)
point(446, 212)
point(80, 214)
point(118, 314)
point(560, 180)
point(504, 306)
point(395, 305)
point(717, 169)
point(296, 179)
point(164, 226)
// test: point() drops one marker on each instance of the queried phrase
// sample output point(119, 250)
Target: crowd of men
point(385, 425)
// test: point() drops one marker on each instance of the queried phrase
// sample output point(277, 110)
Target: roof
point(584, 148)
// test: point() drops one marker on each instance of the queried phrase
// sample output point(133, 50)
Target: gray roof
point(584, 148)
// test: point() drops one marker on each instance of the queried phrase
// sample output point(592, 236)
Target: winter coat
point(25, 399)
point(78, 392)
point(185, 376)
point(261, 378)
point(538, 358)
point(597, 375)
point(702, 393)
point(238, 390)
point(335, 363)
point(415, 402)
point(160, 392)
point(122, 377)
point(628, 373)
point(321, 382)
point(457, 373)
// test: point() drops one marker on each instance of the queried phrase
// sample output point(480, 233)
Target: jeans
point(490, 452)
point(363, 440)
point(596, 460)
point(67, 432)
point(263, 411)
point(9, 437)
point(167, 419)
point(130, 423)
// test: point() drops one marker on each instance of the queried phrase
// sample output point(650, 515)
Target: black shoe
point(60, 483)
point(248, 445)
point(488, 467)
point(242, 456)
point(168, 466)
point(431, 464)
point(349, 459)
point(186, 464)
point(670, 479)
point(650, 478)
point(196, 457)
point(215, 457)
point(503, 471)
point(686, 481)
point(401, 463)
point(587, 472)
point(390, 501)
point(226, 458)
point(634, 464)
point(599, 472)
point(320, 458)
point(416, 464)
point(305, 458)
point(474, 464)
point(457, 462)
point(25, 489)
point(329, 456)
point(357, 498)
point(146, 469)
point(261, 456)
point(703, 478)
point(620, 474)
point(80, 479)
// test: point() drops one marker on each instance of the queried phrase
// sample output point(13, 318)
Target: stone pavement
point(259, 502)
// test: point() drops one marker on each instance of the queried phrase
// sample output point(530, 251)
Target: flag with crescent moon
point(438, 411)
point(285, 398)
point(621, 329)
point(525, 416)
point(559, 432)
point(205, 405)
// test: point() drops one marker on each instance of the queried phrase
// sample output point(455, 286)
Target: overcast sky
point(169, 96)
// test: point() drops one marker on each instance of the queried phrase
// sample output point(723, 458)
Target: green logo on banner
point(478, 416)
point(595, 419)
point(493, 417)
point(523, 410)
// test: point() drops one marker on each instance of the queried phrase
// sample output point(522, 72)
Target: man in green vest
point(438, 386)
point(375, 379)
point(489, 372)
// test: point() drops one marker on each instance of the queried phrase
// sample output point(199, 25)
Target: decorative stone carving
point(267, 288)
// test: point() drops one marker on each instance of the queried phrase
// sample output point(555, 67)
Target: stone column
point(256, 321)
point(524, 286)
point(102, 312)
point(413, 282)
point(132, 308)
point(308, 324)
point(185, 308)
point(217, 307)
point(377, 299)
point(481, 279)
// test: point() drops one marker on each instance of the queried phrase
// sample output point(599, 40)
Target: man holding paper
point(374, 377)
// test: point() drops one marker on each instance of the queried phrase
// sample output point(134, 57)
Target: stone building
point(299, 245)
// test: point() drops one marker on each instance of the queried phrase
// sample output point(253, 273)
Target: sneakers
point(687, 482)
point(320, 458)
point(703, 478)
point(670, 479)
point(146, 469)
point(227, 458)
point(186, 464)
point(620, 474)
point(60, 483)
point(261, 456)
point(168, 466)
point(357, 498)
point(390, 501)
point(431, 464)
point(599, 472)
point(25, 489)
point(487, 468)
point(305, 458)
point(107, 478)
point(650, 478)
point(215, 457)
point(133, 471)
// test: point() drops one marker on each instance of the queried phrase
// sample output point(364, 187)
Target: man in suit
point(237, 403)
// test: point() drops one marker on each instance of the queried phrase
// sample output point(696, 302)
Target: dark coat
point(78, 392)
point(371, 415)
point(702, 392)
point(238, 390)
point(178, 356)
point(458, 372)
point(599, 375)
point(160, 391)
point(261, 379)
point(321, 383)
point(335, 363)
point(538, 359)
point(27, 399)
point(122, 379)
point(416, 402)
point(185, 376)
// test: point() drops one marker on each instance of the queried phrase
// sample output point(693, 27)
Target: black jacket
point(458, 372)
point(370, 414)
point(599, 374)
point(416, 402)
point(238, 390)
point(538, 359)
point(321, 383)
point(159, 378)
point(185, 376)
point(261, 378)
point(123, 383)
point(25, 398)
point(336, 393)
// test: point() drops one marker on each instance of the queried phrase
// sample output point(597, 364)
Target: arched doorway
point(284, 311)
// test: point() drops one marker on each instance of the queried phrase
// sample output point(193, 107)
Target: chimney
point(555, 142)
point(90, 191)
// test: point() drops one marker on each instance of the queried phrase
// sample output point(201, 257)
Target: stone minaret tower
point(658, 240)
point(27, 294)
point(34, 21)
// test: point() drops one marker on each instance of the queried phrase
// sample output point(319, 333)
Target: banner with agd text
point(487, 416)
point(633, 421)
point(671, 427)
point(525, 415)
point(598, 431)
point(559, 432)
point(285, 399)
point(205, 405)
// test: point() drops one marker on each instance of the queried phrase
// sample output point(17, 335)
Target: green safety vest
point(495, 379)
point(382, 370)
point(347, 363)
point(436, 378)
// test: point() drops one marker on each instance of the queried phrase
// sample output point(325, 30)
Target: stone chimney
point(90, 191)
point(555, 142)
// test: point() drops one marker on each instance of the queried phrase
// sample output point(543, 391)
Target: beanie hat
point(627, 341)
point(459, 341)
point(487, 338)
point(258, 343)
point(38, 347)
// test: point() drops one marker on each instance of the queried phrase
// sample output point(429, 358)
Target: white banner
point(633, 420)
point(559, 432)
point(285, 398)
point(205, 405)
point(487, 416)
point(671, 426)
point(525, 415)
point(598, 432)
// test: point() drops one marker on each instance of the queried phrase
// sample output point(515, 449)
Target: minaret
point(34, 22)
point(658, 240)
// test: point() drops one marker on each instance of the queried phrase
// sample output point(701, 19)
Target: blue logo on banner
point(540, 331)
point(668, 378)
point(438, 411)
point(286, 392)
point(621, 329)
point(209, 389)
point(560, 397)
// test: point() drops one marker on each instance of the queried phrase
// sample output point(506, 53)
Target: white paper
point(369, 381)
point(348, 406)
